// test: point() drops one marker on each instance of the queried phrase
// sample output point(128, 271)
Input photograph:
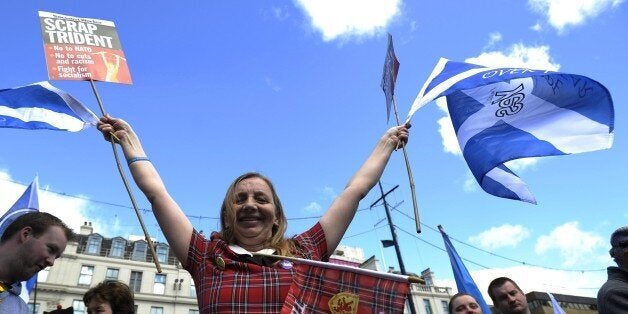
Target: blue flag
point(464, 282)
point(389, 75)
point(555, 306)
point(43, 106)
point(28, 202)
point(503, 114)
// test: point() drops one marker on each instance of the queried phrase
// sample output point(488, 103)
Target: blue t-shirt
point(10, 301)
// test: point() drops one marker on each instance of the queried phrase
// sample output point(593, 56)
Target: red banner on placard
point(82, 48)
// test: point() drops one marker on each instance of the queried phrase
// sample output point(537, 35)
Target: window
point(160, 284)
point(192, 289)
point(428, 306)
point(445, 306)
point(135, 282)
point(193, 312)
point(112, 274)
point(117, 247)
point(85, 278)
point(42, 276)
point(156, 310)
point(162, 253)
point(78, 306)
point(139, 251)
point(34, 308)
point(93, 244)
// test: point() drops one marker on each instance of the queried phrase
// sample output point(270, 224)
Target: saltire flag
point(43, 106)
point(555, 306)
point(389, 75)
point(503, 114)
point(464, 281)
point(28, 202)
point(319, 287)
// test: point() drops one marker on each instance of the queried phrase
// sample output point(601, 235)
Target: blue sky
point(291, 89)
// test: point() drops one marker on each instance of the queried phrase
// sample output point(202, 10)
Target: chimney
point(428, 276)
point(86, 228)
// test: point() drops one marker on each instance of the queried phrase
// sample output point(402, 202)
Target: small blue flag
point(503, 114)
point(464, 282)
point(28, 202)
point(389, 75)
point(555, 306)
point(43, 106)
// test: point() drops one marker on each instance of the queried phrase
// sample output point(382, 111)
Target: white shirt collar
point(242, 251)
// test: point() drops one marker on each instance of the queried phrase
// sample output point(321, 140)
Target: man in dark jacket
point(613, 295)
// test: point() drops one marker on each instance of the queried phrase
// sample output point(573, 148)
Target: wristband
point(134, 159)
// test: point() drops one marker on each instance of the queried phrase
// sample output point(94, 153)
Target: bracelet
point(134, 159)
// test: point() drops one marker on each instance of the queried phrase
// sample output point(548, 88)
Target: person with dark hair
point(613, 295)
point(464, 303)
point(229, 277)
point(507, 296)
point(29, 244)
point(109, 297)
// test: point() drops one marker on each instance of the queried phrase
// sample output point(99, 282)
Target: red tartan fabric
point(238, 286)
point(314, 286)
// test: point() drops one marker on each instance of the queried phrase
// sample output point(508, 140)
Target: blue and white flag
point(28, 202)
point(503, 114)
point(555, 306)
point(464, 281)
point(43, 106)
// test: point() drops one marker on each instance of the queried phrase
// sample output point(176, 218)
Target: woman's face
point(255, 213)
point(466, 304)
point(97, 307)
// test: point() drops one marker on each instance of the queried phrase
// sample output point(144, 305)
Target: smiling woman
point(228, 277)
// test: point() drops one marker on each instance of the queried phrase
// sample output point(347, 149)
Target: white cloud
point(280, 14)
point(72, 210)
point(349, 18)
point(519, 55)
point(575, 246)
point(470, 183)
point(313, 207)
point(493, 38)
point(271, 83)
point(328, 193)
point(543, 280)
point(536, 27)
point(563, 13)
point(506, 235)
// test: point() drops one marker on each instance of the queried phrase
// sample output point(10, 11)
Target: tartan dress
point(230, 283)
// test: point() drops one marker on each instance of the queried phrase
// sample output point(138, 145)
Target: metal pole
point(402, 267)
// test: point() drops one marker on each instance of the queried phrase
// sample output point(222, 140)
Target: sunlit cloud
point(506, 235)
point(575, 246)
point(313, 207)
point(561, 14)
point(349, 18)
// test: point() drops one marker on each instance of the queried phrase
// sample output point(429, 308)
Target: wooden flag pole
point(410, 177)
point(126, 184)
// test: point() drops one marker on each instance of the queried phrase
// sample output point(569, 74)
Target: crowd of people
point(228, 275)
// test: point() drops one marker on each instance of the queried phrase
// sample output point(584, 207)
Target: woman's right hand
point(109, 125)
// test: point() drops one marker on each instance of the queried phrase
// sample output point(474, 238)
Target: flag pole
point(417, 221)
point(126, 183)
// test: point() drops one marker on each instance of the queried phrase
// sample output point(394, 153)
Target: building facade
point(91, 258)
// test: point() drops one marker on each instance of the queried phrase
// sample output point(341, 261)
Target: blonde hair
point(277, 241)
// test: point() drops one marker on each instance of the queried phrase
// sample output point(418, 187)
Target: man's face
point(509, 300)
point(37, 253)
